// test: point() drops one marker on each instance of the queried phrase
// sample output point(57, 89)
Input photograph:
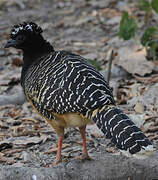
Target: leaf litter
point(87, 28)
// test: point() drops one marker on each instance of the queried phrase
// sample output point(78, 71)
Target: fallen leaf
point(154, 137)
point(17, 61)
point(25, 141)
point(29, 119)
point(13, 113)
point(152, 129)
point(139, 108)
point(8, 161)
point(5, 145)
point(89, 44)
point(109, 11)
point(55, 148)
point(84, 20)
point(12, 151)
point(147, 80)
point(1, 154)
point(110, 149)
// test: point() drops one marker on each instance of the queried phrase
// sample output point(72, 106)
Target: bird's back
point(64, 82)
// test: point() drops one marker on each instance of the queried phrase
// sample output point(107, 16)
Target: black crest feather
point(26, 27)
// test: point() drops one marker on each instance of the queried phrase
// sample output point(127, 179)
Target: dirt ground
point(89, 28)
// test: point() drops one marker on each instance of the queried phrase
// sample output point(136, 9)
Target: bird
point(67, 91)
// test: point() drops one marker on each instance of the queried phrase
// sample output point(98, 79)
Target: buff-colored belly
point(71, 120)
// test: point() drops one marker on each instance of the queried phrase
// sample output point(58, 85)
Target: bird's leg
point(83, 135)
point(58, 155)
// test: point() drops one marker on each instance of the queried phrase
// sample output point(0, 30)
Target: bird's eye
point(20, 38)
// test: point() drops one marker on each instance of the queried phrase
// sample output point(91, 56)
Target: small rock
point(134, 61)
point(116, 71)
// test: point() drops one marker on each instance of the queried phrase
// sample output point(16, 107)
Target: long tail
point(117, 126)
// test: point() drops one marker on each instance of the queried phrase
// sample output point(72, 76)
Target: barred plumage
point(66, 90)
point(67, 84)
point(115, 124)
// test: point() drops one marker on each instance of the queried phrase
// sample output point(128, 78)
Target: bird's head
point(24, 36)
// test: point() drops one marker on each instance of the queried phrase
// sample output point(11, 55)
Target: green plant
point(145, 6)
point(95, 64)
point(128, 27)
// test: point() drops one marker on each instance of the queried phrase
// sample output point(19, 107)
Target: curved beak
point(10, 43)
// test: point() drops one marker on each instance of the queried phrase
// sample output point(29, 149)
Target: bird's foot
point(83, 157)
point(54, 163)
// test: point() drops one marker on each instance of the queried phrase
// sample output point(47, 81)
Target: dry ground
point(89, 28)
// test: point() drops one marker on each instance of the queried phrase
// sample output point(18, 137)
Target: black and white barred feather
point(122, 131)
point(63, 82)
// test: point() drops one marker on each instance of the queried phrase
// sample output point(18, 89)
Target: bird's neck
point(33, 53)
point(37, 49)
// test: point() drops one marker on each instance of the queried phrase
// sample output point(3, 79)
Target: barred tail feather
point(122, 131)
